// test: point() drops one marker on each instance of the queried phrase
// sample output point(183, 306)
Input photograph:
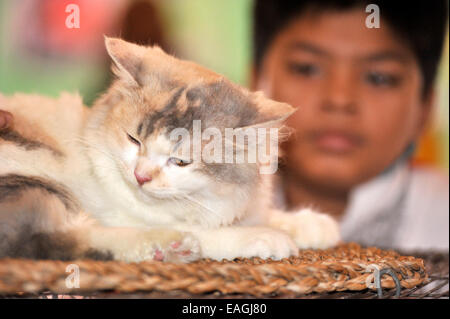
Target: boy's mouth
point(335, 141)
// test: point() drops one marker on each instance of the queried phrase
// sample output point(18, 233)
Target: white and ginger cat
point(101, 183)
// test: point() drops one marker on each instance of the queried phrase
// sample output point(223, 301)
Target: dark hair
point(420, 24)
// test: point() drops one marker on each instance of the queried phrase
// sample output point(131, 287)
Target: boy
point(364, 95)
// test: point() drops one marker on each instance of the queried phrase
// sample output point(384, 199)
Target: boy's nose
point(142, 178)
point(340, 94)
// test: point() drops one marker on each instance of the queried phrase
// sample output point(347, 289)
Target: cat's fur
point(67, 184)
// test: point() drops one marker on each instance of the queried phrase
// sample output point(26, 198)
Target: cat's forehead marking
point(149, 124)
point(217, 104)
point(139, 129)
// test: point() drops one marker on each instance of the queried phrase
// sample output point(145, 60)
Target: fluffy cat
point(102, 182)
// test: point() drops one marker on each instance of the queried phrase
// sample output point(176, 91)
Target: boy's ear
point(127, 58)
point(426, 113)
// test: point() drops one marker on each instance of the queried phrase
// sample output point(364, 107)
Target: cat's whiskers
point(195, 201)
point(175, 195)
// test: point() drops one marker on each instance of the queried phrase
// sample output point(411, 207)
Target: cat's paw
point(267, 243)
point(161, 245)
point(184, 250)
point(309, 229)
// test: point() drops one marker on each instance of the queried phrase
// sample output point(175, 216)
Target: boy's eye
point(133, 140)
point(178, 162)
point(382, 79)
point(305, 69)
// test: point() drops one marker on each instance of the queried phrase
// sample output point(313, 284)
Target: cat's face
point(156, 96)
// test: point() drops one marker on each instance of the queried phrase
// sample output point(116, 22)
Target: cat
point(101, 182)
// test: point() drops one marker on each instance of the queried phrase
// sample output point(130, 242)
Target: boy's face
point(359, 93)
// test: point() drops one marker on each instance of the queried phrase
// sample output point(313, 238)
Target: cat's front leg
point(135, 245)
point(308, 228)
point(236, 241)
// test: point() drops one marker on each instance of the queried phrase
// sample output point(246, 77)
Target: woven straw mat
point(346, 267)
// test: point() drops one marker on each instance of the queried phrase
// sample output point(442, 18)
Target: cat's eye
point(133, 140)
point(178, 161)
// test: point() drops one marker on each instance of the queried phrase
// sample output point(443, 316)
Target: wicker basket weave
point(346, 267)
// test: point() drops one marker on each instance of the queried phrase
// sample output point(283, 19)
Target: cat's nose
point(142, 178)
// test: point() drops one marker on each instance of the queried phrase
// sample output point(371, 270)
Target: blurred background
point(40, 54)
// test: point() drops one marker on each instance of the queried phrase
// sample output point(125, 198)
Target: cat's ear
point(270, 113)
point(127, 58)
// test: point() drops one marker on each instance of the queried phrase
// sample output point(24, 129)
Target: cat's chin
point(158, 193)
